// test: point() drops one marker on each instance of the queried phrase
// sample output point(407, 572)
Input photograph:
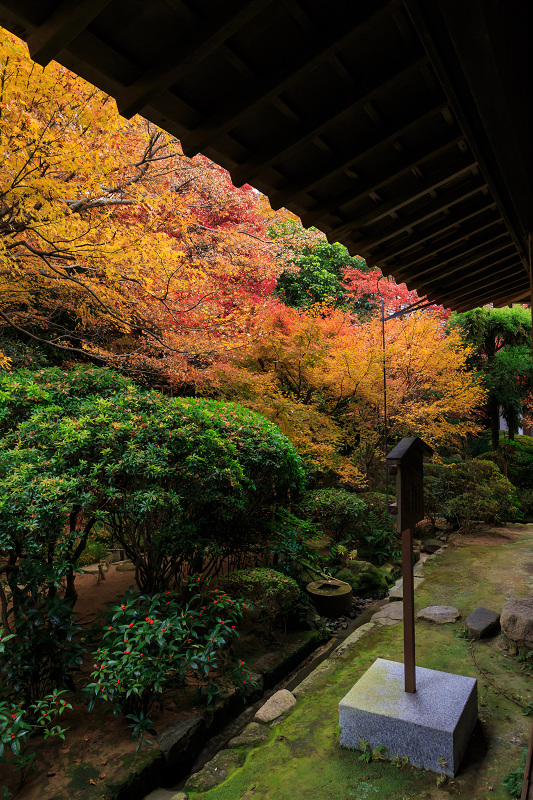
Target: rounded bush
point(271, 594)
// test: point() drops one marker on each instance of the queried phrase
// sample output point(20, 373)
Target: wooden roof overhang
point(401, 128)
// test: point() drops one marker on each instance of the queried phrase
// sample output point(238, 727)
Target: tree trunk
point(70, 592)
point(494, 411)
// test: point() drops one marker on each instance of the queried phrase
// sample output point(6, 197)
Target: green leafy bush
point(40, 651)
point(470, 493)
point(359, 521)
point(365, 579)
point(181, 484)
point(153, 643)
point(18, 723)
point(270, 594)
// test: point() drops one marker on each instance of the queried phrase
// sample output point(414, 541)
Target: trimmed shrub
point(471, 493)
point(181, 484)
point(271, 595)
point(359, 522)
point(365, 579)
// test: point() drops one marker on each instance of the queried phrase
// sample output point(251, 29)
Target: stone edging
point(308, 683)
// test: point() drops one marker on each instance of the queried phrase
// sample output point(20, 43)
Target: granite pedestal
point(432, 727)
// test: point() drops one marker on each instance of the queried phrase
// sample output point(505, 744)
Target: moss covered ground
point(302, 757)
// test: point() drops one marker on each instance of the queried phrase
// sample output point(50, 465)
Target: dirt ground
point(93, 596)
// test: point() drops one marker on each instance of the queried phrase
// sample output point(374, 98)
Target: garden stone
point(396, 593)
point(390, 614)
point(126, 567)
point(517, 622)
point(180, 743)
point(431, 724)
point(482, 622)
point(94, 569)
point(274, 707)
point(431, 545)
point(215, 771)
point(180, 796)
point(254, 732)
point(439, 614)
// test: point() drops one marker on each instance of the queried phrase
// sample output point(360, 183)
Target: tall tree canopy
point(111, 241)
point(320, 378)
point(500, 342)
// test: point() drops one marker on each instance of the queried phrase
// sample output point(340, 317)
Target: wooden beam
point(380, 137)
point(297, 66)
point(490, 263)
point(374, 183)
point(322, 118)
point(444, 271)
point(507, 268)
point(209, 37)
point(410, 195)
point(418, 238)
point(452, 198)
point(506, 278)
point(62, 27)
point(456, 239)
point(493, 295)
point(462, 42)
point(427, 262)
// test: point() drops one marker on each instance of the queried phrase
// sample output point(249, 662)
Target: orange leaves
point(113, 241)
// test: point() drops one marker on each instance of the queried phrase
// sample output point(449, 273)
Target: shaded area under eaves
point(398, 127)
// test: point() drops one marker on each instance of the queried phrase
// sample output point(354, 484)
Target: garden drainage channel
point(220, 740)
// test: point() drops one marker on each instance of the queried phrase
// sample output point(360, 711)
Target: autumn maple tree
point(319, 375)
point(112, 243)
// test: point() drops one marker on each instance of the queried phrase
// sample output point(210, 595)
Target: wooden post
point(408, 612)
point(408, 457)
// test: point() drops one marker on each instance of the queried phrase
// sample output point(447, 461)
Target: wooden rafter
point(286, 143)
point(62, 27)
point(210, 36)
point(382, 136)
point(297, 67)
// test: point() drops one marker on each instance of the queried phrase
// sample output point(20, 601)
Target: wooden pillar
point(408, 457)
point(408, 612)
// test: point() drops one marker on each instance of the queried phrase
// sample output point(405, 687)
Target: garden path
point(302, 758)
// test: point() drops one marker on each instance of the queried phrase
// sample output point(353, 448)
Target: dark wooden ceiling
point(401, 128)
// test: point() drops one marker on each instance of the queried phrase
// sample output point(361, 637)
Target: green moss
point(303, 750)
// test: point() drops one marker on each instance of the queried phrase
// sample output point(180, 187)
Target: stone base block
point(432, 727)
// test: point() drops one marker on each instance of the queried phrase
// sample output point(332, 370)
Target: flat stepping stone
point(439, 614)
point(396, 593)
point(254, 732)
point(482, 622)
point(126, 566)
point(93, 569)
point(215, 771)
point(431, 545)
point(390, 614)
point(274, 707)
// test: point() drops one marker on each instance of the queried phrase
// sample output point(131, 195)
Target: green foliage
point(93, 553)
point(270, 594)
point(365, 579)
point(155, 642)
point(501, 351)
point(175, 481)
point(19, 722)
point(513, 780)
point(42, 652)
point(318, 276)
point(469, 493)
point(359, 521)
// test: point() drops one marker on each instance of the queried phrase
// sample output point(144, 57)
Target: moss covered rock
point(365, 579)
